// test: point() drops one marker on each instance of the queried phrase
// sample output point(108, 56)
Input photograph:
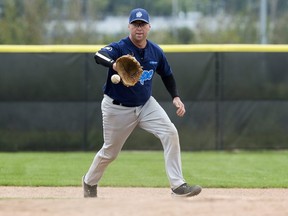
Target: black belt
point(120, 104)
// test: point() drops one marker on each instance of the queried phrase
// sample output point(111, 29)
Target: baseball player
point(124, 108)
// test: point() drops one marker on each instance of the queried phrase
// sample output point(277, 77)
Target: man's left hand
point(180, 106)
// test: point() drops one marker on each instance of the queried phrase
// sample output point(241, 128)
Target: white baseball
point(115, 78)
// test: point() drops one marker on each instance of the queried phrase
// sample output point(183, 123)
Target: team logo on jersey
point(139, 14)
point(146, 75)
point(153, 62)
point(108, 48)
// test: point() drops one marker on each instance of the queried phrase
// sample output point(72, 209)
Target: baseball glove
point(129, 69)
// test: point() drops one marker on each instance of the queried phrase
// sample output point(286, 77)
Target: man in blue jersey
point(124, 108)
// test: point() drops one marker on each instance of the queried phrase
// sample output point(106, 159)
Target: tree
point(23, 21)
point(49, 21)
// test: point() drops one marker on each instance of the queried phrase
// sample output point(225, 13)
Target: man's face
point(139, 30)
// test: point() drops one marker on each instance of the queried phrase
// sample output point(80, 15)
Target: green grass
point(257, 169)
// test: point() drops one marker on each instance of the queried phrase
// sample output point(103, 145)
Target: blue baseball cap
point(139, 14)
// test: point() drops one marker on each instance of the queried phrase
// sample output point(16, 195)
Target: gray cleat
point(185, 190)
point(89, 191)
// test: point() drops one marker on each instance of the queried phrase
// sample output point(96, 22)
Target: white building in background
point(114, 25)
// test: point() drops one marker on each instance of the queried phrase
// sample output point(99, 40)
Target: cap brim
point(139, 20)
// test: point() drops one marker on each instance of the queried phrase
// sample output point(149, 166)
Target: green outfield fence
point(236, 97)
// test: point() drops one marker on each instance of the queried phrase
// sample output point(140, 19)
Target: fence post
point(218, 101)
point(86, 88)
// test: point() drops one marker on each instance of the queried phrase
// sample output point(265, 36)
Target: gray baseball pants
point(120, 121)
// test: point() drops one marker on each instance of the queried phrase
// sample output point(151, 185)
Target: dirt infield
point(24, 201)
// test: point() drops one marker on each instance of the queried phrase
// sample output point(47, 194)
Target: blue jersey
point(151, 58)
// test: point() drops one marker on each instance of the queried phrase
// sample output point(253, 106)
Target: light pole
point(263, 22)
